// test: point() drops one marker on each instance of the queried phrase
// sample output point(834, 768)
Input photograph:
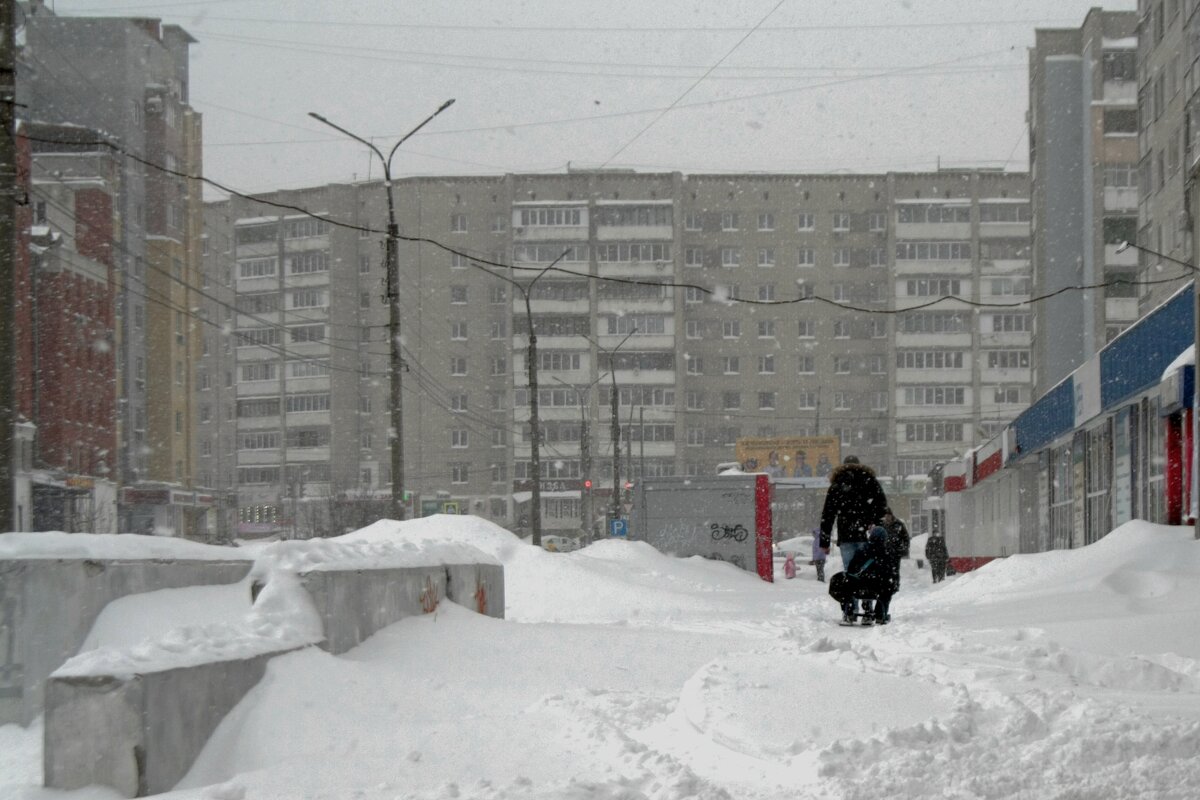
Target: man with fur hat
point(854, 503)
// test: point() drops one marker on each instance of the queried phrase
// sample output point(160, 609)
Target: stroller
point(867, 577)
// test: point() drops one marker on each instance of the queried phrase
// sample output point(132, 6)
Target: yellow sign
point(790, 456)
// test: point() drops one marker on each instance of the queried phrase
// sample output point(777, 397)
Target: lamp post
point(396, 360)
point(616, 423)
point(585, 458)
point(1196, 340)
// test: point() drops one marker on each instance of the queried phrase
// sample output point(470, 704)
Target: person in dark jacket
point(868, 575)
point(896, 543)
point(854, 503)
point(938, 555)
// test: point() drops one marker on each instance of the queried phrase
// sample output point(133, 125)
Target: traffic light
point(587, 484)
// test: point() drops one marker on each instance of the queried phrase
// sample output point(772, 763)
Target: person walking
point(896, 547)
point(938, 555)
point(818, 555)
point(855, 503)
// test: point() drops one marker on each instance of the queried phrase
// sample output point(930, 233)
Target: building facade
point(1084, 167)
point(716, 307)
point(128, 77)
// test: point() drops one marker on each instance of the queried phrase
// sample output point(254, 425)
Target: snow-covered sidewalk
point(624, 673)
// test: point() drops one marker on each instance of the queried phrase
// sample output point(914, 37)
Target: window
point(933, 251)
point(806, 257)
point(766, 221)
point(1007, 394)
point(932, 322)
point(458, 223)
point(460, 473)
point(307, 333)
point(458, 295)
point(929, 359)
point(1120, 121)
point(692, 328)
point(766, 329)
point(877, 221)
point(695, 365)
point(766, 256)
point(731, 256)
point(933, 287)
point(497, 295)
point(806, 365)
point(558, 361)
point(1119, 229)
point(805, 221)
point(934, 395)
point(877, 257)
point(302, 403)
point(459, 438)
point(766, 401)
point(364, 299)
point(551, 217)
point(693, 256)
point(841, 329)
point(458, 402)
point(806, 329)
point(841, 365)
point(1010, 323)
point(1119, 65)
point(841, 221)
point(308, 298)
point(633, 253)
point(841, 401)
point(693, 295)
point(1010, 287)
point(263, 371)
point(730, 365)
point(878, 328)
point(933, 432)
point(1005, 212)
point(806, 399)
point(694, 401)
point(731, 329)
point(729, 221)
point(879, 401)
point(458, 365)
point(840, 293)
point(308, 263)
point(695, 436)
point(766, 293)
point(499, 223)
point(499, 437)
point(1008, 359)
point(499, 366)
point(458, 331)
point(498, 329)
point(693, 222)
point(731, 401)
point(841, 256)
point(766, 365)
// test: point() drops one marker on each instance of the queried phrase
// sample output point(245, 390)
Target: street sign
point(628, 507)
point(618, 527)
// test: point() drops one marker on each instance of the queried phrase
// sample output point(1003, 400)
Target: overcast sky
point(737, 85)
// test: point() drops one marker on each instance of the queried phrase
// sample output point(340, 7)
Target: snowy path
point(622, 673)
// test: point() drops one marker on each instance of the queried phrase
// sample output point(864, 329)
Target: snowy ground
point(621, 673)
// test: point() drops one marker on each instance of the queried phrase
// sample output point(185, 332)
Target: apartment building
point(128, 77)
point(1084, 168)
point(1166, 81)
point(786, 317)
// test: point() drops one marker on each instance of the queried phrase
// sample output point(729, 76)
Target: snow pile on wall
point(114, 546)
point(283, 617)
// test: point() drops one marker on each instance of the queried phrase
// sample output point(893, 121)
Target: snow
point(110, 546)
point(1186, 358)
point(622, 673)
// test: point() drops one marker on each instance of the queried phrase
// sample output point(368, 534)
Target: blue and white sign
point(618, 527)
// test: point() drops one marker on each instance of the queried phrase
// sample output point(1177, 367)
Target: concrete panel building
point(1083, 126)
point(828, 263)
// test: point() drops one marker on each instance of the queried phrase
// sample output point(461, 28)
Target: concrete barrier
point(48, 606)
point(140, 732)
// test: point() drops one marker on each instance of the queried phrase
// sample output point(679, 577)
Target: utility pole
point(395, 359)
point(616, 425)
point(8, 241)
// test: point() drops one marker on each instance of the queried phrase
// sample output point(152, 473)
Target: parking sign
point(618, 527)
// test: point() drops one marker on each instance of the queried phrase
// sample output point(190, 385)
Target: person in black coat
point(868, 575)
point(896, 545)
point(938, 555)
point(854, 503)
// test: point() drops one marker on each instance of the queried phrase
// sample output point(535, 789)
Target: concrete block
point(139, 734)
point(48, 606)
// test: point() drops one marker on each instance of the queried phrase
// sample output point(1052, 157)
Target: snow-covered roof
point(1184, 359)
point(56, 544)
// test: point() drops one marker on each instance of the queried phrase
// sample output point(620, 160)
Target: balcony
point(998, 375)
point(624, 233)
point(259, 457)
point(663, 270)
point(1006, 339)
point(664, 306)
point(1004, 266)
point(1120, 92)
point(550, 233)
point(933, 340)
point(657, 341)
point(933, 230)
point(1120, 309)
point(1003, 230)
point(947, 267)
point(934, 376)
point(659, 377)
point(580, 306)
point(1120, 198)
point(1128, 258)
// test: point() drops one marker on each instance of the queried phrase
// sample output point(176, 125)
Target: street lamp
point(585, 458)
point(616, 423)
point(396, 360)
